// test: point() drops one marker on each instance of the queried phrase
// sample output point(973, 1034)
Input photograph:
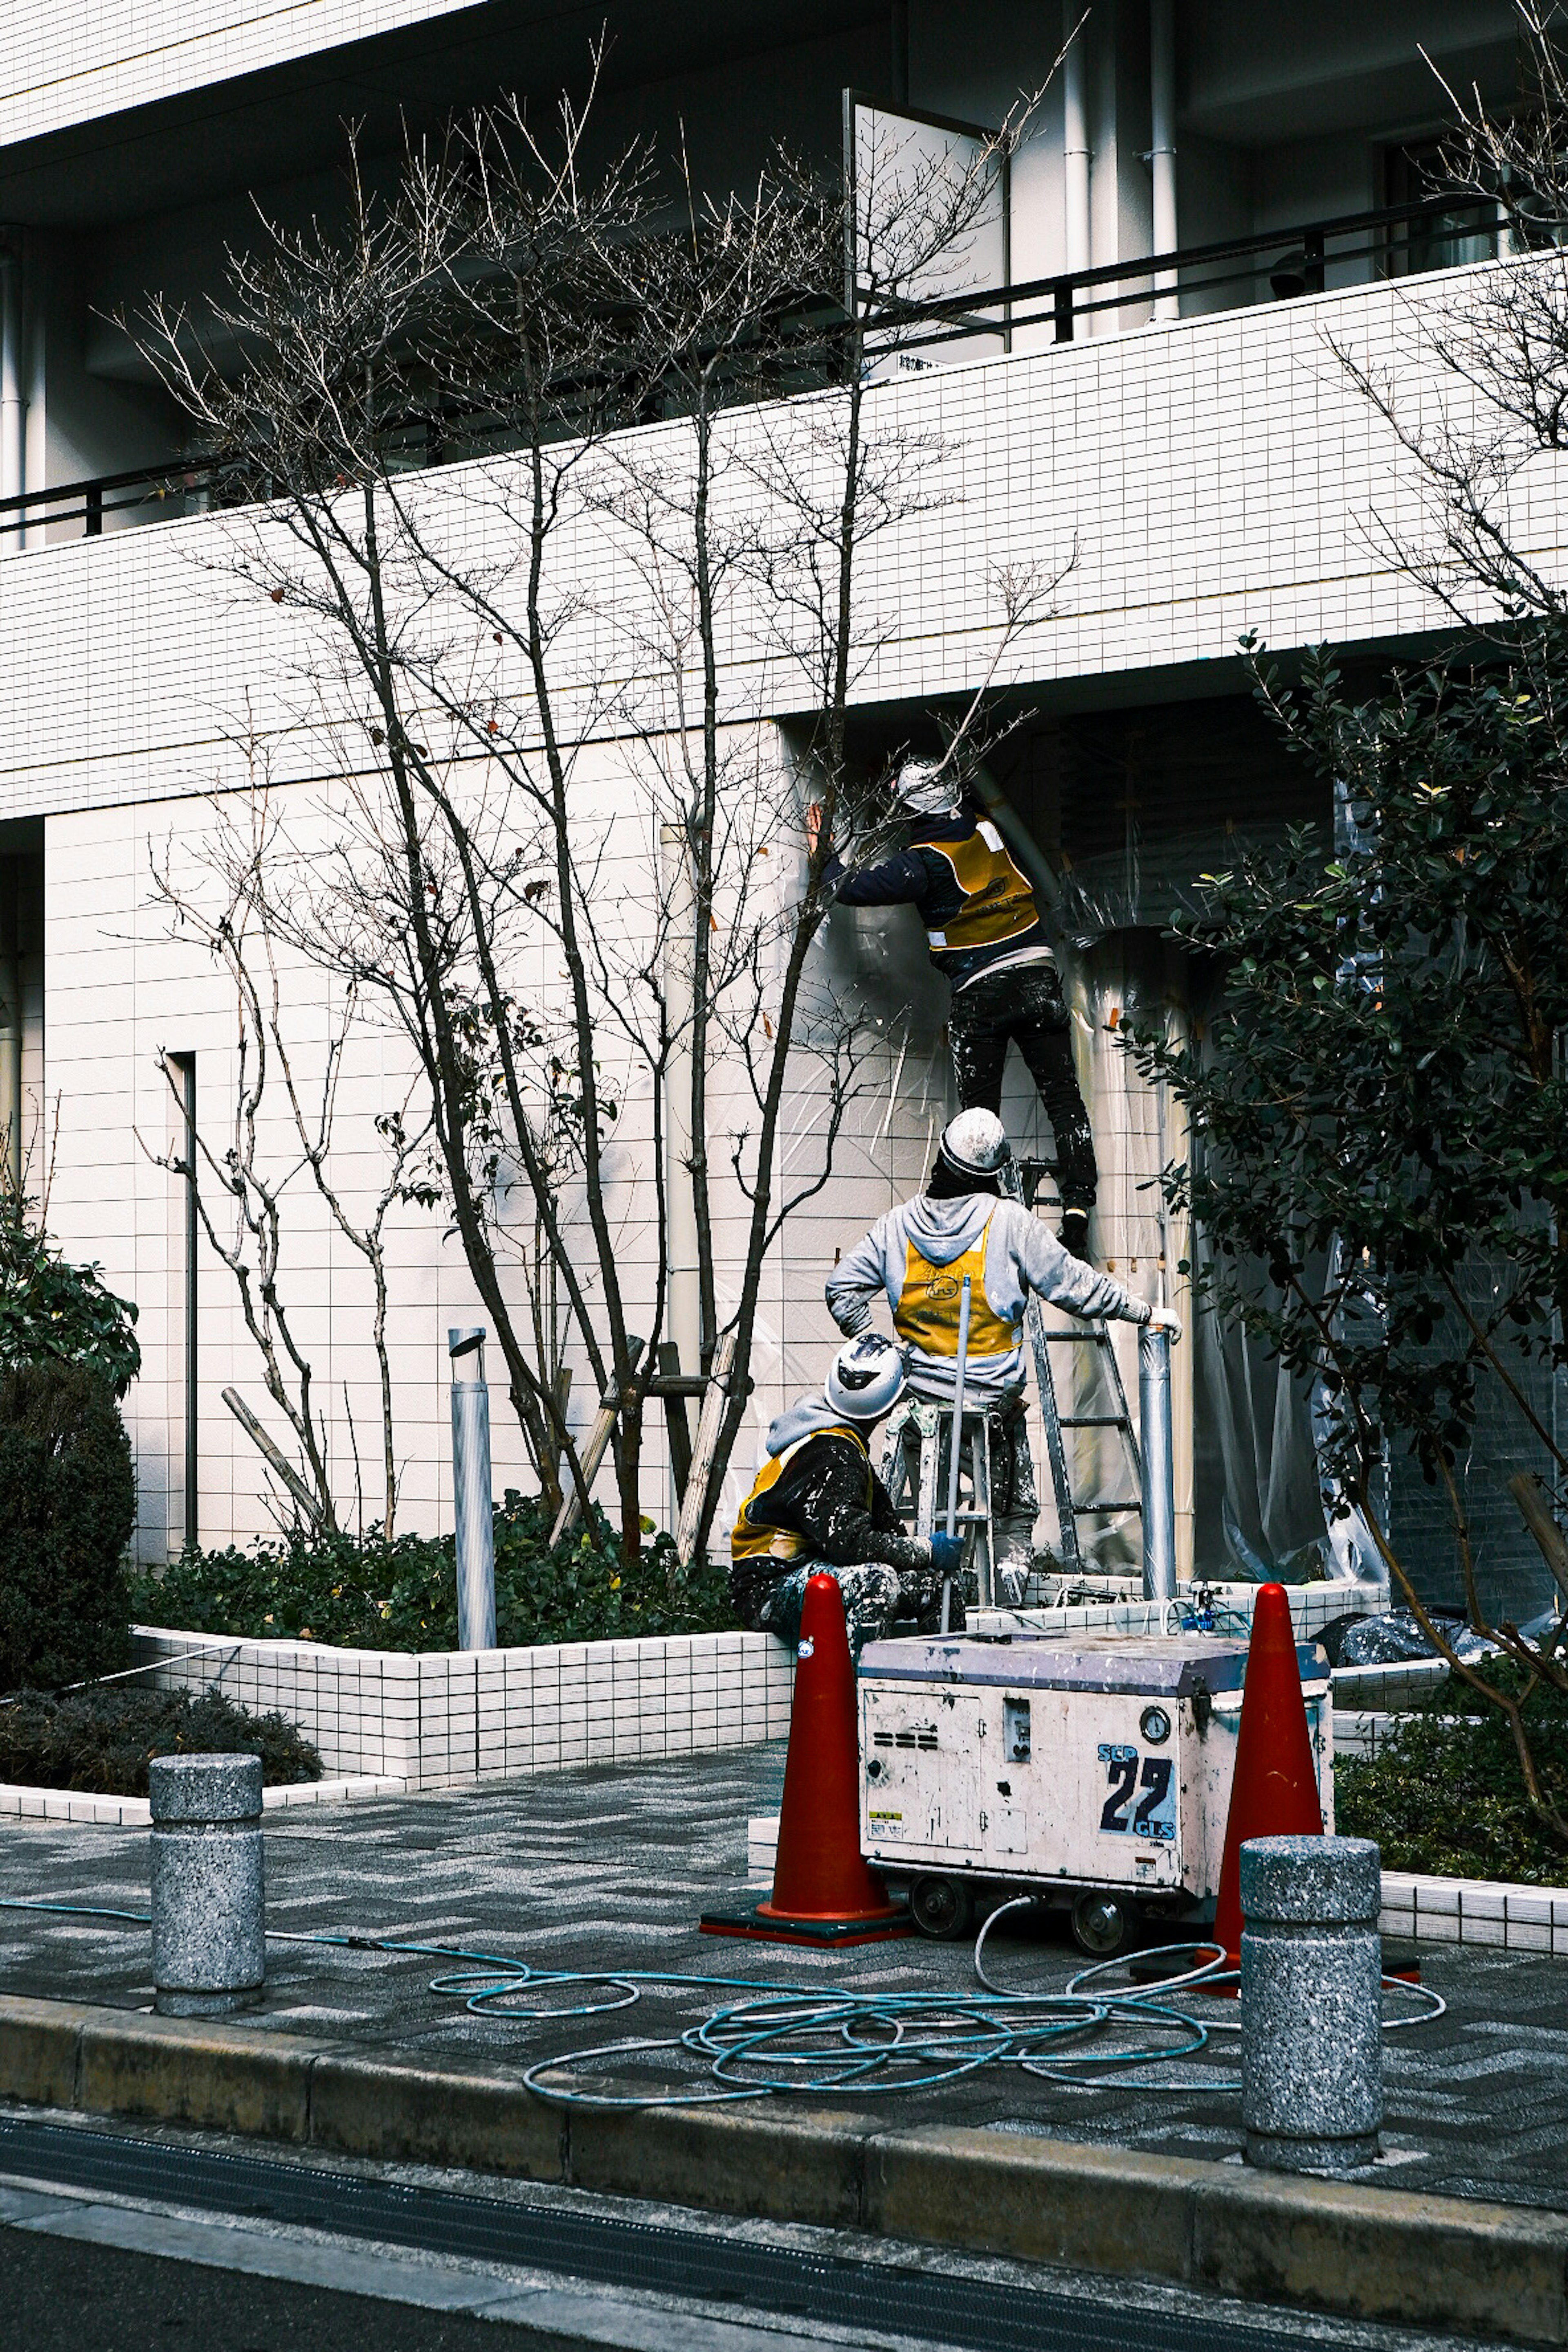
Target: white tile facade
point(71, 62)
point(1216, 474)
point(1219, 474)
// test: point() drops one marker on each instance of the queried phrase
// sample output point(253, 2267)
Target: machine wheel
point(941, 1907)
point(1102, 1923)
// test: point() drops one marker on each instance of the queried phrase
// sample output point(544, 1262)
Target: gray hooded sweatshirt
point(1022, 1255)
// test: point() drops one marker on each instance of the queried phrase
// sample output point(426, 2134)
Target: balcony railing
point(1398, 240)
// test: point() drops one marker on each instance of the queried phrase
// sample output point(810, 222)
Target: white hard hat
point(975, 1143)
point(927, 787)
point(865, 1378)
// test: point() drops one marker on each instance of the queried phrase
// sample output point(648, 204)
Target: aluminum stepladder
point(924, 1429)
point(1020, 1182)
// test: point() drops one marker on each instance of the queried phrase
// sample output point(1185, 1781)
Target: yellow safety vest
point(998, 903)
point(926, 1315)
point(748, 1541)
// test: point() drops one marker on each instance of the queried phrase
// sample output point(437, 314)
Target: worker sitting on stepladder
point(984, 929)
point(817, 1504)
point(917, 1255)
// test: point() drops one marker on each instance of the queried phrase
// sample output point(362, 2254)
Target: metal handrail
point(1300, 234)
point(953, 318)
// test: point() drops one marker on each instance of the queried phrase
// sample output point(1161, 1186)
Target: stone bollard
point(1312, 2003)
point(209, 1951)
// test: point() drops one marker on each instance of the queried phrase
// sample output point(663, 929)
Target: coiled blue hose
point(797, 2040)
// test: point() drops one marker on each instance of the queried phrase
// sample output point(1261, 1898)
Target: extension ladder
point(1020, 1181)
point(914, 1472)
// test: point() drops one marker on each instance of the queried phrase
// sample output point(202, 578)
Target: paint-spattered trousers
point(873, 1596)
point(1024, 1007)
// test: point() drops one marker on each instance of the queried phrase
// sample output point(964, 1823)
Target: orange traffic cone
point(1275, 1790)
point(823, 1893)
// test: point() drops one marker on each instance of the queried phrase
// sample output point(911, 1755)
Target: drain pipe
point(682, 1253)
point(473, 1510)
point(1159, 1488)
point(10, 1034)
point(1075, 137)
point(1162, 147)
point(13, 406)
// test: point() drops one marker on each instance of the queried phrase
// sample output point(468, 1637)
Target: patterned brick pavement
point(609, 1868)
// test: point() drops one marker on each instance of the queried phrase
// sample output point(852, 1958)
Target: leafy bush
point(51, 1310)
point(1445, 1793)
point(67, 1503)
point(104, 1740)
point(365, 1592)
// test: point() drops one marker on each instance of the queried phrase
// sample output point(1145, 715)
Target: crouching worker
point(817, 1504)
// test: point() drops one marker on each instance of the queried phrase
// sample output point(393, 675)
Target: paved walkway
point(609, 1868)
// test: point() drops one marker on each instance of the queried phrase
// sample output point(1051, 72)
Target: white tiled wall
point(1476, 1911)
point(444, 1718)
point(71, 62)
point(1216, 474)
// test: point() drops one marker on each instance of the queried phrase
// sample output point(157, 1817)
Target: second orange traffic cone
point(1274, 1792)
point(824, 1890)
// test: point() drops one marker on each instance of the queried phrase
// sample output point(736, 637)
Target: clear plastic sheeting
point(1396, 1638)
point(1145, 887)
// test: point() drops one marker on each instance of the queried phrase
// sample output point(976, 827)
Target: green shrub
point(67, 1503)
point(1445, 1794)
point(364, 1592)
point(53, 1311)
point(104, 1739)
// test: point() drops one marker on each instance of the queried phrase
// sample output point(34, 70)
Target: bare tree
point(578, 580)
point(244, 1169)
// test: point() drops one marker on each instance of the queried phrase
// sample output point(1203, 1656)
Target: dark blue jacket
point(922, 877)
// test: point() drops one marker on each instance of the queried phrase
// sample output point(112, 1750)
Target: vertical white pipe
point(10, 1033)
point(1105, 144)
point(1159, 1512)
point(12, 404)
point(685, 1297)
point(1075, 137)
point(1162, 146)
point(473, 1505)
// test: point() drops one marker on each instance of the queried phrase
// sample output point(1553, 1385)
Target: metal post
point(209, 1948)
point(1159, 1512)
point(473, 1503)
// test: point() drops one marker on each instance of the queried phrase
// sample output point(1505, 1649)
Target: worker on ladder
point(817, 1504)
point(984, 929)
point(918, 1254)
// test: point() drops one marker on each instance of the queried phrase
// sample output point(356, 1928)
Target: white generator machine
point(1090, 1770)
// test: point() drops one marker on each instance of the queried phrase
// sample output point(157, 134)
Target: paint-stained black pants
point(1025, 1006)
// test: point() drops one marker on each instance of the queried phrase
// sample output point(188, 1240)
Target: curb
point(20, 1802)
point(1362, 2253)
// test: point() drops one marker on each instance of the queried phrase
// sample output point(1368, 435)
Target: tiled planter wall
point(447, 1716)
point(1313, 1606)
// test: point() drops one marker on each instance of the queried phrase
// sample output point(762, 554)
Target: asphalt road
point(200, 2243)
point(62, 2297)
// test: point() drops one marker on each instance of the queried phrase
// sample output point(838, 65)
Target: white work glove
point(1165, 1319)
